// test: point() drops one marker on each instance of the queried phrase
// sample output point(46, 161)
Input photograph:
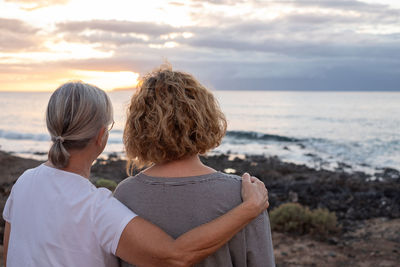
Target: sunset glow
point(109, 80)
point(226, 43)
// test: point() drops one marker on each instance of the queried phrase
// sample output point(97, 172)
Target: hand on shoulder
point(254, 194)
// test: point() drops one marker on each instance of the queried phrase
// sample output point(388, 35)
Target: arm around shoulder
point(143, 243)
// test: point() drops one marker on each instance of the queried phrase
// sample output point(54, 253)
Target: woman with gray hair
point(56, 217)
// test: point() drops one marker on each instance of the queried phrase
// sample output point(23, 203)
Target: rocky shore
point(368, 210)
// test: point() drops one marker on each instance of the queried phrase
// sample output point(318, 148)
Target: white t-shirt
point(59, 218)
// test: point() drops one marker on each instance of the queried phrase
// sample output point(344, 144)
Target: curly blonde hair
point(171, 116)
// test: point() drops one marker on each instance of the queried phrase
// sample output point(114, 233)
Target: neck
point(188, 166)
point(79, 165)
point(80, 162)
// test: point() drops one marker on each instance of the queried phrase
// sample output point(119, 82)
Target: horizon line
point(213, 89)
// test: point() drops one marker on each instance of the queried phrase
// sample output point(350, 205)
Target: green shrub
point(296, 219)
point(323, 222)
point(111, 185)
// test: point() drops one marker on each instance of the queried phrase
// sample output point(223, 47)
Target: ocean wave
point(115, 136)
point(12, 135)
point(256, 136)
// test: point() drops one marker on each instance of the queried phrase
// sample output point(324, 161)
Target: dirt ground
point(375, 243)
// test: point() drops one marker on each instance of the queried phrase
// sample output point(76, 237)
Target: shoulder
point(227, 183)
point(213, 178)
point(223, 188)
point(124, 186)
point(229, 177)
point(127, 181)
point(228, 180)
point(101, 196)
point(29, 172)
point(104, 204)
point(26, 176)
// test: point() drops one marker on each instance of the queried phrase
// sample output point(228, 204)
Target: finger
point(259, 183)
point(246, 177)
point(253, 179)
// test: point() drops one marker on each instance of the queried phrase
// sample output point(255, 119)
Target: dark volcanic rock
point(388, 173)
point(352, 196)
point(112, 169)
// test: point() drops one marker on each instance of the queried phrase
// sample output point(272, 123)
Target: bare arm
point(6, 237)
point(144, 244)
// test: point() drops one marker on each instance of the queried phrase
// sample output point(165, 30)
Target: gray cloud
point(329, 4)
point(106, 39)
point(242, 73)
point(336, 4)
point(388, 46)
point(16, 35)
point(15, 25)
point(116, 26)
point(354, 46)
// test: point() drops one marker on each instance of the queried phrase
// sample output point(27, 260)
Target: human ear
point(101, 136)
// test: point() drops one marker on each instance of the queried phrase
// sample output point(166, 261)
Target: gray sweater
point(178, 205)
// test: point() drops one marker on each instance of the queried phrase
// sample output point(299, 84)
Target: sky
point(227, 44)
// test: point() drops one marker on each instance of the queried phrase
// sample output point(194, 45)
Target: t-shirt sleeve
point(110, 218)
point(259, 242)
point(8, 207)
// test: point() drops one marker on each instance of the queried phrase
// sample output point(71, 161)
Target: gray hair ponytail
point(75, 113)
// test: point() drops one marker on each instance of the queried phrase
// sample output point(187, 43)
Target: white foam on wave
point(320, 153)
point(317, 153)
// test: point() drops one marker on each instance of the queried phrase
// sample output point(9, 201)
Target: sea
point(350, 131)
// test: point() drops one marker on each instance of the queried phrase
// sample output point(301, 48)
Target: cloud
point(307, 45)
point(116, 26)
point(105, 39)
point(176, 4)
point(304, 49)
point(337, 4)
point(113, 33)
point(219, 2)
point(16, 35)
point(36, 4)
point(15, 25)
point(276, 45)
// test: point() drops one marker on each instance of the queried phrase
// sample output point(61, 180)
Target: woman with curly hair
point(172, 119)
